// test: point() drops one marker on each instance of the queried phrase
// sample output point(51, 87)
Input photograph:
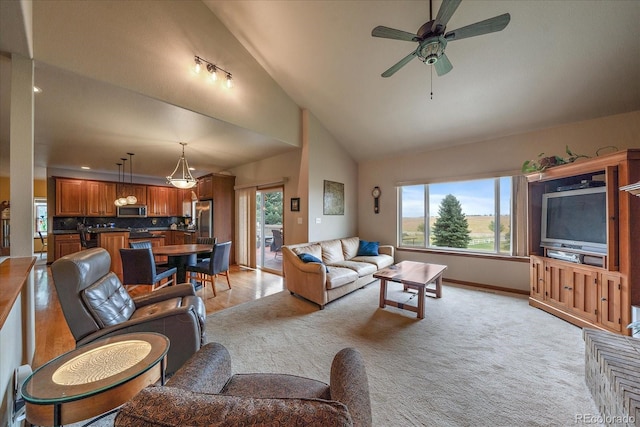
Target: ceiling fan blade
point(491, 25)
point(447, 8)
point(392, 33)
point(443, 65)
point(391, 71)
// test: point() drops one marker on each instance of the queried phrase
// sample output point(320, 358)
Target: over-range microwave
point(132, 211)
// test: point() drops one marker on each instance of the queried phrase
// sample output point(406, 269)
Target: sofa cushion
point(340, 276)
point(362, 268)
point(331, 251)
point(305, 257)
point(368, 248)
point(350, 247)
point(380, 261)
point(312, 249)
point(276, 386)
point(169, 407)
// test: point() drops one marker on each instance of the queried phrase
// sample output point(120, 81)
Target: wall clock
point(376, 195)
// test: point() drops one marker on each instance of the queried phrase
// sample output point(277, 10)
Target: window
point(40, 219)
point(472, 216)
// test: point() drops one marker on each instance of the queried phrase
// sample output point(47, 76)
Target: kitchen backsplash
point(71, 223)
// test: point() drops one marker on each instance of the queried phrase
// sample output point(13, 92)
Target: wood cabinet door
point(157, 201)
point(173, 207)
point(100, 198)
point(70, 197)
point(559, 284)
point(113, 242)
point(205, 187)
point(537, 278)
point(65, 245)
point(610, 298)
point(138, 190)
point(584, 293)
point(185, 200)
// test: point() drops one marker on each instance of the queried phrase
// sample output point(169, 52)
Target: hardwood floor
point(54, 338)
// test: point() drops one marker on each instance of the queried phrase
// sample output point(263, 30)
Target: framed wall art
point(295, 204)
point(333, 202)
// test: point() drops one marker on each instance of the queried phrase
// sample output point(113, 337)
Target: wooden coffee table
point(414, 275)
point(95, 378)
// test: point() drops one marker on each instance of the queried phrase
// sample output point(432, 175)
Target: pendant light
point(131, 199)
point(181, 176)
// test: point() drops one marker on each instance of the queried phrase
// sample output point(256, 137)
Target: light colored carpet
point(477, 359)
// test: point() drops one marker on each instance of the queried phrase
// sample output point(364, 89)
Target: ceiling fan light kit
point(432, 39)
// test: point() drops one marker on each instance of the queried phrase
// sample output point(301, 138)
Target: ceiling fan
point(432, 39)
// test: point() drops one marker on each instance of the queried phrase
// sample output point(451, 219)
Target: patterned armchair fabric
point(205, 393)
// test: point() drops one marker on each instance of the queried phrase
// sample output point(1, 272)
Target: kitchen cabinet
point(598, 289)
point(205, 187)
point(185, 200)
point(113, 242)
point(100, 198)
point(220, 189)
point(70, 197)
point(179, 237)
point(65, 244)
point(77, 197)
point(162, 201)
point(138, 190)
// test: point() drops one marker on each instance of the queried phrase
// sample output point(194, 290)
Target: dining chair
point(276, 244)
point(139, 268)
point(43, 242)
point(205, 241)
point(84, 242)
point(207, 270)
point(160, 261)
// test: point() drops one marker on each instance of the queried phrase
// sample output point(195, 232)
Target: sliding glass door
point(269, 230)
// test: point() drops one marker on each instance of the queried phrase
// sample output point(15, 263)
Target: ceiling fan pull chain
point(431, 76)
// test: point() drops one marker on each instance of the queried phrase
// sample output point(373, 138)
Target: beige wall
point(304, 171)
point(480, 159)
point(169, 34)
point(329, 161)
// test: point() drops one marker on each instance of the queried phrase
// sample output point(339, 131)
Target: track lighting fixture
point(213, 71)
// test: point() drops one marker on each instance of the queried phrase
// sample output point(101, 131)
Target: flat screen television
point(575, 219)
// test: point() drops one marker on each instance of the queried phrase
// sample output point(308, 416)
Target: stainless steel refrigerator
point(204, 218)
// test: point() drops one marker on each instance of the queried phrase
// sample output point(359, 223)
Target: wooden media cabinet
point(589, 289)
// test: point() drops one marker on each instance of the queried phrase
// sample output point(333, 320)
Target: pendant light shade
point(131, 199)
point(181, 176)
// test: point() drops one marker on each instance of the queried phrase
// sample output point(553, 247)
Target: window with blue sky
point(486, 204)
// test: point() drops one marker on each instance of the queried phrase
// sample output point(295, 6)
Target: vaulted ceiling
point(556, 62)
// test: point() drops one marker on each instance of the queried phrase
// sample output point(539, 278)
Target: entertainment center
point(585, 266)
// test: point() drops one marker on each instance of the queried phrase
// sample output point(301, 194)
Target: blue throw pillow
point(305, 257)
point(368, 248)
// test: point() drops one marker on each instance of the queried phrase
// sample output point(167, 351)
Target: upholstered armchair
point(96, 305)
point(205, 393)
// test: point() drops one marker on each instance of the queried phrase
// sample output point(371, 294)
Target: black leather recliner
point(96, 305)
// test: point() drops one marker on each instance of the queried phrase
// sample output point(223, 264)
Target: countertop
point(115, 229)
point(14, 272)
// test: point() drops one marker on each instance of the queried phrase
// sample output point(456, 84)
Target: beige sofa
point(341, 272)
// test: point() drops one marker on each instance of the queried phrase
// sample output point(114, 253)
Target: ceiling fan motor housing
point(431, 49)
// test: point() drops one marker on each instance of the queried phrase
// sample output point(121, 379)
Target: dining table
point(180, 256)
